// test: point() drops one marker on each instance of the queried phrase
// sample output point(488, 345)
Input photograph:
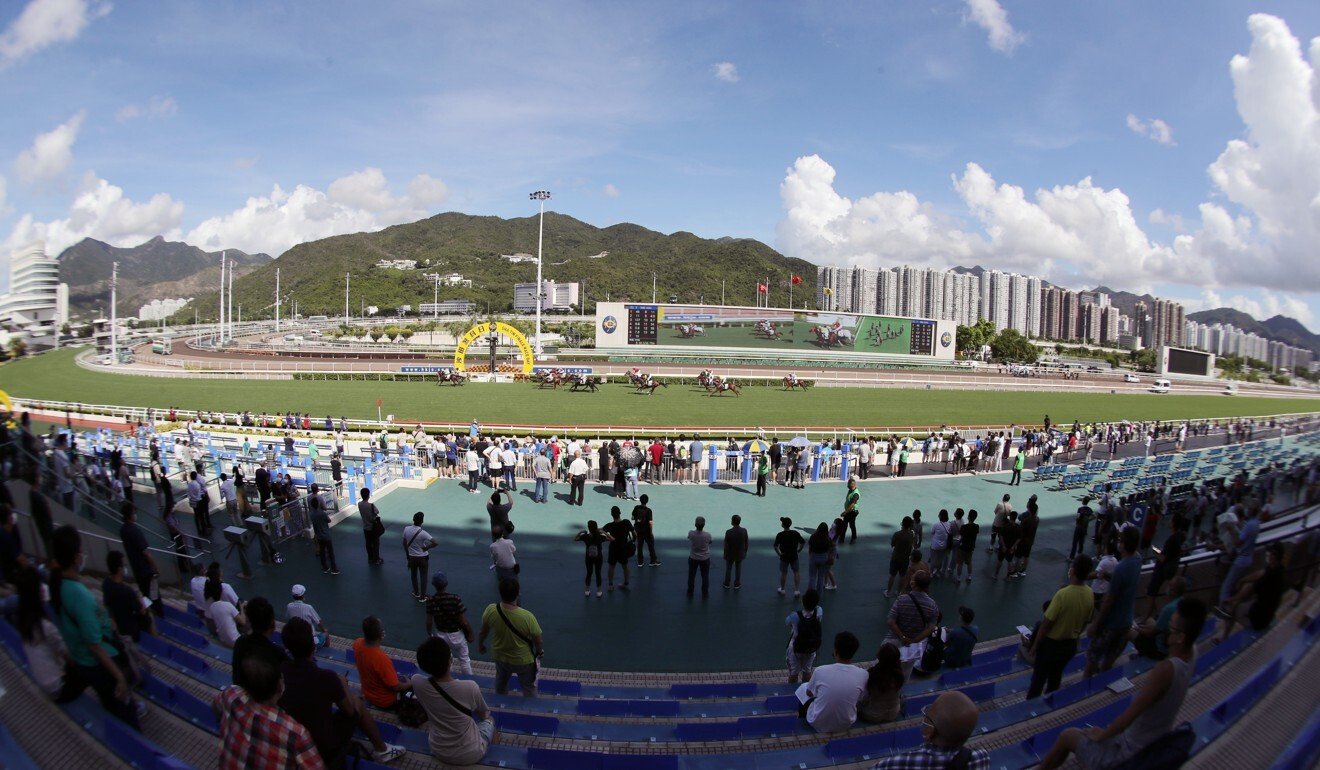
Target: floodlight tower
point(542, 196)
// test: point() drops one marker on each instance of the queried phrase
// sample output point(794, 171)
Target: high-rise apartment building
point(37, 304)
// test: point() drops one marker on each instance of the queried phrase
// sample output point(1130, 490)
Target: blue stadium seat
point(1301, 753)
point(979, 692)
point(640, 762)
point(604, 707)
point(183, 617)
point(559, 687)
point(782, 703)
point(183, 635)
point(762, 727)
point(194, 709)
point(13, 642)
point(130, 745)
point(552, 759)
point(12, 755)
point(717, 690)
point(189, 661)
point(1245, 696)
point(860, 747)
point(529, 724)
point(1013, 757)
point(707, 731)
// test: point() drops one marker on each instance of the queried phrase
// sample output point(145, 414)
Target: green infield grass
point(55, 376)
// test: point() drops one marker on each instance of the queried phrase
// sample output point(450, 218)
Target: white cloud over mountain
point(100, 210)
point(1261, 230)
point(43, 23)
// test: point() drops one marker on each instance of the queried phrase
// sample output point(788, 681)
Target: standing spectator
point(736, 543)
point(1167, 560)
point(1009, 532)
point(138, 552)
point(123, 602)
point(257, 642)
point(621, 545)
point(1026, 539)
point(577, 472)
point(818, 556)
point(311, 694)
point(1001, 515)
point(959, 642)
point(255, 733)
point(417, 545)
point(516, 645)
point(226, 617)
point(1154, 708)
point(946, 725)
point(776, 455)
point(229, 498)
point(967, 534)
point(788, 544)
point(446, 618)
point(696, 453)
point(502, 556)
point(509, 460)
point(803, 461)
point(459, 725)
point(47, 657)
point(644, 530)
point(542, 472)
point(699, 557)
point(1080, 526)
point(804, 637)
point(1019, 462)
point(320, 520)
point(899, 555)
point(299, 608)
point(940, 533)
point(1054, 643)
point(864, 456)
point(472, 463)
point(1265, 586)
point(913, 618)
point(380, 683)
point(372, 527)
point(1242, 553)
point(883, 701)
point(1113, 622)
point(337, 473)
point(262, 479)
point(499, 512)
point(850, 500)
point(593, 539)
point(835, 689)
point(200, 503)
point(762, 473)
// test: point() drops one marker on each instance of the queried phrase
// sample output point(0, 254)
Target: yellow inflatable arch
point(499, 327)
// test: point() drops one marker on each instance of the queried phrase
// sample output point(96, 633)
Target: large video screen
point(680, 325)
point(1189, 362)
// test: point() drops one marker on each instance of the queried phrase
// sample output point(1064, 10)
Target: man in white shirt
point(502, 556)
point(299, 608)
point(417, 544)
point(829, 700)
point(577, 471)
point(229, 496)
point(495, 464)
point(509, 459)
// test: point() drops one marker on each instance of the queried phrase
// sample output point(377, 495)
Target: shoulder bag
point(536, 659)
point(467, 712)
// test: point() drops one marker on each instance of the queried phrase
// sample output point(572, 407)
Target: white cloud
point(4, 194)
point(1268, 305)
point(100, 210)
point(991, 16)
point(359, 202)
point(1155, 129)
point(726, 71)
point(1162, 217)
point(611, 191)
point(44, 23)
point(51, 153)
point(156, 107)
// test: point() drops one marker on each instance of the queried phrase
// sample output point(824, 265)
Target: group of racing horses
point(712, 383)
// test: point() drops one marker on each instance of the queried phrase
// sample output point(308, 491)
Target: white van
point(1230, 389)
point(1131, 378)
point(1161, 386)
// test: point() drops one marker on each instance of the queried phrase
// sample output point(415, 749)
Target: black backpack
point(808, 633)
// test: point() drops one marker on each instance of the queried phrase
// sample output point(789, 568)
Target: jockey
point(650, 381)
point(792, 378)
point(582, 378)
point(635, 373)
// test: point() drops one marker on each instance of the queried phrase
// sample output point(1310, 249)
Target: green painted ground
point(55, 376)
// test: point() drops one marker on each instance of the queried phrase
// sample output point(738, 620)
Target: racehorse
point(722, 386)
point(453, 378)
point(707, 379)
point(649, 387)
point(589, 384)
point(688, 331)
point(791, 384)
point(636, 378)
point(768, 330)
point(828, 338)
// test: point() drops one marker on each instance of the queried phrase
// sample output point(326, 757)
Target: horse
point(649, 387)
point(590, 384)
point(791, 384)
point(727, 385)
point(688, 331)
point(768, 330)
point(707, 380)
point(453, 378)
point(828, 338)
point(636, 379)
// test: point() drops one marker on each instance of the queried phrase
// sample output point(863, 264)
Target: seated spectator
point(42, 643)
point(380, 682)
point(226, 617)
point(123, 601)
point(912, 618)
point(958, 642)
point(312, 694)
point(829, 701)
point(257, 643)
point(946, 725)
point(1265, 587)
point(883, 699)
point(255, 733)
point(299, 608)
point(1154, 708)
point(459, 726)
point(1152, 635)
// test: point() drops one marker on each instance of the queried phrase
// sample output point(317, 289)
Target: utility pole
point(114, 324)
point(652, 288)
point(542, 196)
point(346, 277)
point(220, 324)
point(229, 309)
point(435, 305)
point(277, 300)
point(721, 291)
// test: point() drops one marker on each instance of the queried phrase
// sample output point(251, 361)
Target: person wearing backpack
point(804, 637)
point(1144, 735)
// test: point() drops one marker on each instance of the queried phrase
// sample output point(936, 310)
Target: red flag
point(797, 279)
point(762, 288)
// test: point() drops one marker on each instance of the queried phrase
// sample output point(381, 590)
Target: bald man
point(946, 725)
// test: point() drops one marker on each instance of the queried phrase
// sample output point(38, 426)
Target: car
point(1230, 389)
point(1093, 369)
point(1131, 378)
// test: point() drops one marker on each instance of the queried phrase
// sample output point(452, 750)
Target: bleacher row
point(695, 725)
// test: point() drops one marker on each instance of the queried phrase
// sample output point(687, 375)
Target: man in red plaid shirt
point(256, 733)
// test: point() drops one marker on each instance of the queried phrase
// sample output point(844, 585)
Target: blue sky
point(1090, 143)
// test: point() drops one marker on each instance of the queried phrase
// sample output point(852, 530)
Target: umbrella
point(630, 457)
point(801, 442)
point(907, 442)
point(755, 446)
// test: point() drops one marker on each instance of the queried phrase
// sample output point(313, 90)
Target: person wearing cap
point(380, 682)
point(299, 608)
point(446, 618)
point(958, 642)
point(946, 725)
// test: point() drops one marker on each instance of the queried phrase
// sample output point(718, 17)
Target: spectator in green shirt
point(1055, 641)
point(516, 640)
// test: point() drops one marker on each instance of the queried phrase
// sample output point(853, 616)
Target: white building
point(397, 264)
point(520, 257)
point(449, 279)
point(37, 304)
point(160, 309)
point(557, 296)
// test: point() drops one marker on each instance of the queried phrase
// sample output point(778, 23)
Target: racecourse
point(55, 376)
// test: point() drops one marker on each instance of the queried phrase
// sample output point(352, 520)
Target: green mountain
point(1279, 328)
point(684, 265)
point(157, 269)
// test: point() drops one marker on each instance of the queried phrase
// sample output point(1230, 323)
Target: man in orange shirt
point(380, 683)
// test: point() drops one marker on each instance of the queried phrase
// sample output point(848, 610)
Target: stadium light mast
point(114, 323)
point(346, 277)
point(542, 196)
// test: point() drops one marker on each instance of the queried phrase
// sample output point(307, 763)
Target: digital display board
point(642, 324)
point(1189, 362)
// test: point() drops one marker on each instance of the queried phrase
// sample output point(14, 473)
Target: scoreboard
point(643, 324)
point(923, 338)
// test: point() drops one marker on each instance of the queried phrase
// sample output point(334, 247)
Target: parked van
point(1161, 386)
